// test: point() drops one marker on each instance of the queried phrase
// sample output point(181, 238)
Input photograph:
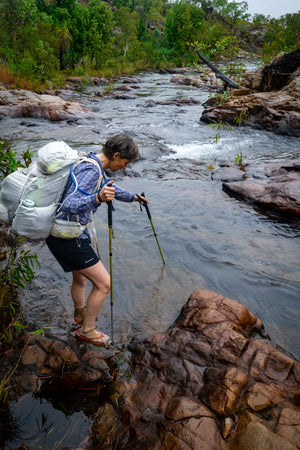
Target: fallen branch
point(219, 74)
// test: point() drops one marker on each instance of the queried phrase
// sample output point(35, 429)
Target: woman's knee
point(104, 286)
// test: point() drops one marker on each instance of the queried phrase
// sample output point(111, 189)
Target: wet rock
point(193, 433)
point(185, 407)
point(200, 81)
point(130, 80)
point(186, 81)
point(175, 101)
point(277, 190)
point(270, 109)
point(223, 388)
point(44, 356)
point(21, 103)
point(194, 385)
point(123, 96)
point(228, 174)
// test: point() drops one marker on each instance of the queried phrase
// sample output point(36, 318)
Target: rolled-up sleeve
point(123, 195)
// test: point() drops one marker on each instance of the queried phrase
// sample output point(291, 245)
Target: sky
point(273, 8)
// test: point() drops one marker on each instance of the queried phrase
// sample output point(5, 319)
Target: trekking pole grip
point(145, 204)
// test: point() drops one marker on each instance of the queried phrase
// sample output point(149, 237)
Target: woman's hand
point(107, 193)
point(141, 199)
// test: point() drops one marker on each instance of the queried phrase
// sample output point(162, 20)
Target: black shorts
point(72, 254)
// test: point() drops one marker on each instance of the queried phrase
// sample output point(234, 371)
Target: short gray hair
point(123, 144)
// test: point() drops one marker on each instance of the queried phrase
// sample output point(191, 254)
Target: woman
point(76, 254)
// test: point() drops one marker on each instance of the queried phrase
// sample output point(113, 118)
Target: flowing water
point(209, 240)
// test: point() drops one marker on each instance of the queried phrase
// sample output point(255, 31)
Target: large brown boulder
point(271, 105)
point(212, 381)
point(21, 103)
point(273, 186)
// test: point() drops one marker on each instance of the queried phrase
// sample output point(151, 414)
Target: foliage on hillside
point(43, 40)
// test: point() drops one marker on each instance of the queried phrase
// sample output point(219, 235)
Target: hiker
point(77, 255)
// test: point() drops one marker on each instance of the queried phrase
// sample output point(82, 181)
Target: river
point(209, 240)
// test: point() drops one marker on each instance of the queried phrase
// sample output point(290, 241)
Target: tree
point(16, 14)
point(282, 35)
point(182, 26)
point(230, 11)
point(101, 23)
point(126, 34)
point(151, 12)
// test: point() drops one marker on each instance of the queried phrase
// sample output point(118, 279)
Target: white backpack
point(30, 197)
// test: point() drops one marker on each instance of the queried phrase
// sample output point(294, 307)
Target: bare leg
point(100, 278)
point(78, 296)
point(78, 290)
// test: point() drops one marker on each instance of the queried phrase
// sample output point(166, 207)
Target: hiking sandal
point(99, 339)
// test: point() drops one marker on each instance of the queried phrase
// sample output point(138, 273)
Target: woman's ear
point(116, 155)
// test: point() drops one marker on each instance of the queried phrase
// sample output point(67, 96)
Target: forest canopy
point(40, 39)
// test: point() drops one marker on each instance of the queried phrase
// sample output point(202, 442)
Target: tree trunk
point(219, 74)
point(278, 73)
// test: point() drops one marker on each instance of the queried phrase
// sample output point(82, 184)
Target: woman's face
point(118, 163)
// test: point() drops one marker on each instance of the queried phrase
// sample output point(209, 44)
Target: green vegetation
point(43, 41)
point(17, 265)
point(8, 161)
point(220, 98)
point(220, 126)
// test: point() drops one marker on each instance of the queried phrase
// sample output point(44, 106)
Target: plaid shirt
point(77, 206)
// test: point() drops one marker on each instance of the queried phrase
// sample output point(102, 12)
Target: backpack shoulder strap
point(75, 182)
point(73, 177)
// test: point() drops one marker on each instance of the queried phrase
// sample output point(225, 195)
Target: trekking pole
point(110, 209)
point(145, 204)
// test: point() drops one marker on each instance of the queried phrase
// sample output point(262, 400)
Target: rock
point(227, 427)
point(203, 80)
point(261, 396)
point(123, 96)
point(288, 425)
point(194, 433)
point(184, 408)
point(130, 80)
point(76, 80)
point(175, 101)
point(192, 385)
point(274, 110)
point(228, 174)
point(276, 75)
point(186, 81)
point(277, 190)
point(254, 435)
point(21, 103)
point(104, 426)
point(44, 356)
